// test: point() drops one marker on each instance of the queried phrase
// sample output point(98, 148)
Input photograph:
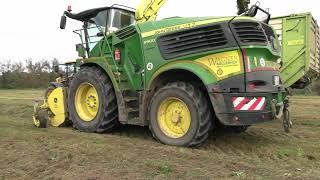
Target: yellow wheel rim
point(174, 117)
point(87, 102)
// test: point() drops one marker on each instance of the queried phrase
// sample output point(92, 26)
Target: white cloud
point(30, 29)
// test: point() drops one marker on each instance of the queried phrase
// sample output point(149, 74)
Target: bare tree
point(18, 67)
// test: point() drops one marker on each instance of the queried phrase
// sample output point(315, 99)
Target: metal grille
point(191, 41)
point(269, 32)
point(126, 32)
point(249, 32)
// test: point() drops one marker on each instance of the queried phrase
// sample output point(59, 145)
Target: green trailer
point(299, 37)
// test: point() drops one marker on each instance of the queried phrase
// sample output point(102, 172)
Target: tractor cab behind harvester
point(65, 72)
point(97, 24)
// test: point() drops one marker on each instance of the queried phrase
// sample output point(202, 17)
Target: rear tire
point(105, 103)
point(181, 99)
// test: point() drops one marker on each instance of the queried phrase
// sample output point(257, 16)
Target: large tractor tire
point(180, 115)
point(92, 101)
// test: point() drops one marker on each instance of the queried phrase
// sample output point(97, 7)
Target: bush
point(31, 74)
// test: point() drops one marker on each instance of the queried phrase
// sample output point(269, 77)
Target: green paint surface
point(141, 61)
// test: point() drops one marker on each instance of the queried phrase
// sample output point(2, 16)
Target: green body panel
point(261, 58)
point(140, 50)
point(299, 36)
point(141, 61)
point(150, 31)
point(132, 61)
point(196, 68)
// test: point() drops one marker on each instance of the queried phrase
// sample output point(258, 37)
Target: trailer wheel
point(92, 102)
point(180, 115)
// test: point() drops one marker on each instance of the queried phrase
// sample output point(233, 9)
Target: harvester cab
point(98, 23)
point(182, 77)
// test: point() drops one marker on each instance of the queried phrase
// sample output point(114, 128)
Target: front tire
point(92, 101)
point(180, 115)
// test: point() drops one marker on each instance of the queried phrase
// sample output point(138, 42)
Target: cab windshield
point(100, 19)
point(100, 23)
point(119, 19)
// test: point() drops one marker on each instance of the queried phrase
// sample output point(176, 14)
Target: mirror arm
point(266, 12)
point(256, 7)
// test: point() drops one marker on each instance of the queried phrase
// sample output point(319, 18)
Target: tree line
point(27, 74)
point(30, 74)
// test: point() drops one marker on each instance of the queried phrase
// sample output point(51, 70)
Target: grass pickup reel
point(53, 109)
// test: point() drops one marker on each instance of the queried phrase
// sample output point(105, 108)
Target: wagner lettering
point(224, 61)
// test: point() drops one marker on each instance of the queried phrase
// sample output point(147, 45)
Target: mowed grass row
point(264, 152)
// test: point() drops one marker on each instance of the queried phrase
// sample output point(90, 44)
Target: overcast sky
point(30, 29)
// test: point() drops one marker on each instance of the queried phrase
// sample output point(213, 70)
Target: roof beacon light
point(69, 9)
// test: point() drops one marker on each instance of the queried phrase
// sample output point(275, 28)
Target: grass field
point(263, 152)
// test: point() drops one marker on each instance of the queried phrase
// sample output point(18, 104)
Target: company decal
point(223, 64)
point(185, 26)
point(149, 41)
point(296, 42)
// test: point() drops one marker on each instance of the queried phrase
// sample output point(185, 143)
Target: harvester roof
point(91, 13)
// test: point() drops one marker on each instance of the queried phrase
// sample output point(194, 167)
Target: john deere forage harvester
point(179, 76)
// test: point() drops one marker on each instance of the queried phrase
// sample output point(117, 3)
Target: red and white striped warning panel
point(248, 104)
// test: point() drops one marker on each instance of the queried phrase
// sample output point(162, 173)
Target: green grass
point(264, 152)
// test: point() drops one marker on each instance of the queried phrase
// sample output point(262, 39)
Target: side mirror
point(252, 12)
point(63, 22)
point(56, 69)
